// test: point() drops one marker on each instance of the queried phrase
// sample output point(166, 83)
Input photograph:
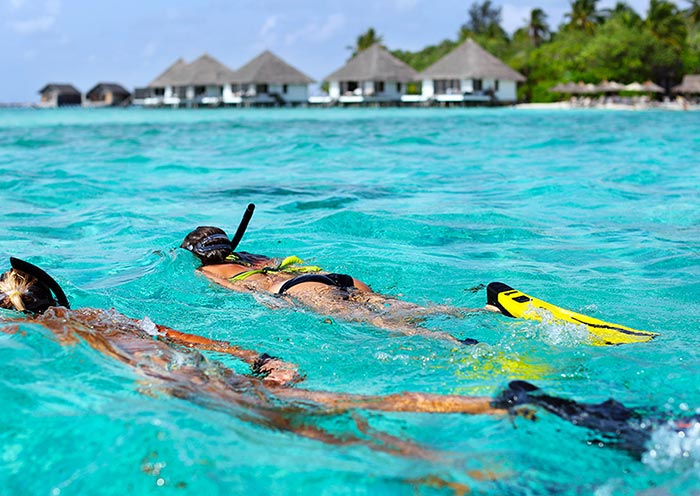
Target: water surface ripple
point(597, 211)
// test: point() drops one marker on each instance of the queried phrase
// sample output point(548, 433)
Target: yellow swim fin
point(517, 304)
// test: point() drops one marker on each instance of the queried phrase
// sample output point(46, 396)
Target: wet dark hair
point(210, 244)
point(27, 288)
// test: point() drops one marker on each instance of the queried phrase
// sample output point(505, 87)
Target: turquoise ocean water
point(593, 210)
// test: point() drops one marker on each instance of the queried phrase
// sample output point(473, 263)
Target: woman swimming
point(169, 362)
point(337, 295)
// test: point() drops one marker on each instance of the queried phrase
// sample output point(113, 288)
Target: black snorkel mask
point(38, 305)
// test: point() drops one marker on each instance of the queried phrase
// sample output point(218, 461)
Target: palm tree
point(365, 40)
point(623, 12)
point(692, 13)
point(538, 28)
point(666, 24)
point(583, 15)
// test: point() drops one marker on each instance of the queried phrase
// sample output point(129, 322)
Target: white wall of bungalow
point(463, 89)
point(264, 93)
point(374, 90)
point(230, 94)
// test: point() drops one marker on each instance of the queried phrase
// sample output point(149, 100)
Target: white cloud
point(44, 22)
point(268, 25)
point(404, 5)
point(317, 32)
point(267, 35)
point(31, 26)
point(515, 16)
point(150, 49)
point(330, 27)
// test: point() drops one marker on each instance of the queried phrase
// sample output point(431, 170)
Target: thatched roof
point(470, 61)
point(653, 87)
point(102, 88)
point(206, 70)
point(610, 87)
point(635, 87)
point(570, 87)
point(61, 88)
point(374, 63)
point(268, 68)
point(690, 84)
point(171, 75)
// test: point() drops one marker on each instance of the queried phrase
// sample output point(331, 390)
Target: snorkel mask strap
point(247, 215)
point(41, 276)
point(203, 247)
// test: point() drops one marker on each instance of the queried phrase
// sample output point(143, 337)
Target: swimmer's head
point(20, 291)
point(210, 244)
point(27, 288)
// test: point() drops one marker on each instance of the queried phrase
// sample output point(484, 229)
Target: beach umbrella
point(565, 88)
point(586, 89)
point(610, 87)
point(636, 87)
point(559, 88)
point(653, 87)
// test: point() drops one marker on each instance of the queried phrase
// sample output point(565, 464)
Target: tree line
point(591, 45)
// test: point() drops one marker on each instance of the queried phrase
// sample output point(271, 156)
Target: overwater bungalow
point(60, 95)
point(470, 74)
point(269, 80)
point(106, 95)
point(162, 90)
point(372, 76)
point(205, 81)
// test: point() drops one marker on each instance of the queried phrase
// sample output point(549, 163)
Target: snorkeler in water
point(336, 295)
point(29, 289)
point(343, 296)
point(166, 359)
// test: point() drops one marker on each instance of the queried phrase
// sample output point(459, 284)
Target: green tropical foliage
point(591, 45)
point(364, 41)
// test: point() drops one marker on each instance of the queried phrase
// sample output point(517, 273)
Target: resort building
point(470, 74)
point(689, 86)
point(205, 81)
point(162, 90)
point(106, 95)
point(269, 80)
point(372, 76)
point(59, 95)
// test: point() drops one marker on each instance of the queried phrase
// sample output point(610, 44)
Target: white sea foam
point(670, 449)
point(558, 332)
point(148, 326)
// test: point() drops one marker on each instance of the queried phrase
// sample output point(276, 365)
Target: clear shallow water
point(595, 211)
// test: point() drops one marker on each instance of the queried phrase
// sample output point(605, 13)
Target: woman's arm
point(272, 370)
point(402, 402)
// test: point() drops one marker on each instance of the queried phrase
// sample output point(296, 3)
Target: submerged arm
point(273, 370)
point(401, 402)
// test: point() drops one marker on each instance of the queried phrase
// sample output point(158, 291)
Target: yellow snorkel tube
point(516, 304)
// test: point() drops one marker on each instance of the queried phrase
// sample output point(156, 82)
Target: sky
point(130, 42)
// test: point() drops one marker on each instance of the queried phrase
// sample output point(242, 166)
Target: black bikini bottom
point(337, 280)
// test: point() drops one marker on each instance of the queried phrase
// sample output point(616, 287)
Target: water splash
point(674, 449)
